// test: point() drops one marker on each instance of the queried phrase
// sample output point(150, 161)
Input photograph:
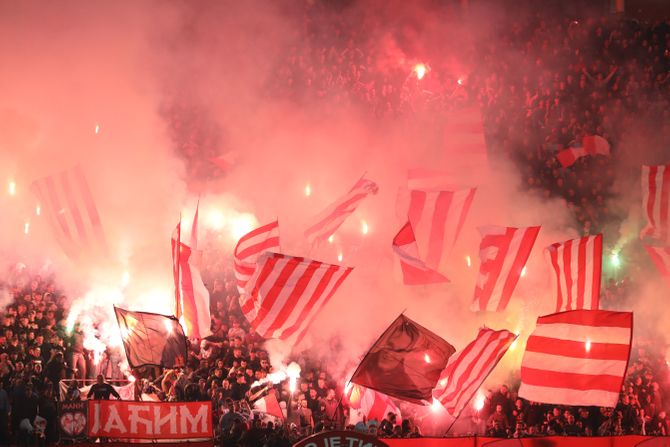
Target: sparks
point(364, 227)
point(131, 379)
point(38, 209)
point(512, 347)
point(479, 401)
point(97, 129)
point(26, 228)
point(420, 70)
point(426, 358)
point(340, 257)
point(468, 261)
point(12, 188)
point(523, 271)
point(331, 238)
point(587, 346)
point(215, 219)
point(616, 261)
point(308, 190)
point(435, 406)
point(460, 81)
point(125, 279)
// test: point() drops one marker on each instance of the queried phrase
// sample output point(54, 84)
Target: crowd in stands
point(542, 85)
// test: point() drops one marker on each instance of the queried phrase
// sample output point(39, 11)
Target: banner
point(150, 420)
point(127, 391)
point(341, 439)
point(72, 419)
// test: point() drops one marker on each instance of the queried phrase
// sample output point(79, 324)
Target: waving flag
point(73, 216)
point(577, 265)
point(467, 370)
point(269, 404)
point(286, 293)
point(332, 217)
point(192, 295)
point(405, 362)
point(591, 145)
point(503, 252)
point(435, 218)
point(374, 405)
point(250, 247)
point(656, 201)
point(414, 270)
point(577, 358)
point(151, 339)
point(661, 258)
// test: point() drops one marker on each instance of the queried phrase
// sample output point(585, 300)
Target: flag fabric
point(467, 370)
point(577, 357)
point(405, 362)
point(269, 404)
point(286, 293)
point(374, 405)
point(250, 247)
point(436, 218)
point(414, 270)
point(330, 219)
point(503, 253)
point(72, 213)
point(192, 294)
point(577, 266)
point(656, 201)
point(151, 339)
point(591, 145)
point(661, 258)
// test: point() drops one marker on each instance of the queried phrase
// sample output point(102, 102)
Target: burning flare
point(420, 70)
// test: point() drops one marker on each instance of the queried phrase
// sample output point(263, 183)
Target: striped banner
point(656, 201)
point(250, 247)
point(578, 357)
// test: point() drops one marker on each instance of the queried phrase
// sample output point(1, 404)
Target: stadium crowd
point(553, 80)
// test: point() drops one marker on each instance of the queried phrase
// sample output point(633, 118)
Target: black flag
point(151, 339)
point(405, 362)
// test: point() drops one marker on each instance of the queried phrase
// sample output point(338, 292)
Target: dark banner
point(340, 439)
point(73, 419)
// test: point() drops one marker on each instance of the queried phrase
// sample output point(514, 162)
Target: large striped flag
point(591, 145)
point(577, 265)
point(503, 253)
point(375, 405)
point(269, 404)
point(578, 357)
point(656, 201)
point(250, 247)
point(661, 258)
point(73, 216)
point(192, 295)
point(330, 219)
point(286, 293)
point(466, 371)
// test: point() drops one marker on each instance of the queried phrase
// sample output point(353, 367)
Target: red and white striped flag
point(577, 265)
point(286, 293)
point(330, 219)
point(176, 275)
point(577, 358)
point(591, 145)
point(656, 201)
point(503, 253)
point(250, 247)
point(192, 295)
point(437, 218)
point(466, 371)
point(375, 405)
point(72, 213)
point(661, 258)
point(414, 270)
point(269, 404)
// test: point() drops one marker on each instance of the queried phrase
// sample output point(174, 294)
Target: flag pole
point(178, 285)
